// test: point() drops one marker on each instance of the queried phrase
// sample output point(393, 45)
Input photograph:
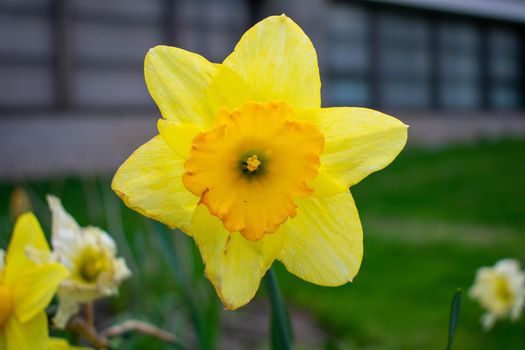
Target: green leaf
point(454, 317)
point(182, 279)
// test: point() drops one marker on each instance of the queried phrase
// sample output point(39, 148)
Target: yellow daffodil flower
point(26, 288)
point(90, 255)
point(500, 290)
point(249, 164)
point(62, 344)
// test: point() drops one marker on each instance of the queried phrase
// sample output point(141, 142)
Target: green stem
point(282, 338)
point(454, 318)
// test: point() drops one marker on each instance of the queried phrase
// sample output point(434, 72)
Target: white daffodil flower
point(89, 253)
point(500, 290)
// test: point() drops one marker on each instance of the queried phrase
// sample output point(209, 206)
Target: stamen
point(252, 163)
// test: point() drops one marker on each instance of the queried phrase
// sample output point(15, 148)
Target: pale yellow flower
point(90, 255)
point(26, 288)
point(500, 290)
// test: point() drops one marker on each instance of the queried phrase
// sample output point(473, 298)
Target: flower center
point(91, 264)
point(6, 304)
point(252, 163)
point(502, 290)
point(91, 269)
point(250, 166)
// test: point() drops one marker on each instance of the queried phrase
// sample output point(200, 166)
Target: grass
point(481, 183)
point(430, 220)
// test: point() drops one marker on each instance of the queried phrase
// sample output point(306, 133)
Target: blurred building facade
point(409, 55)
point(88, 55)
point(424, 55)
point(78, 59)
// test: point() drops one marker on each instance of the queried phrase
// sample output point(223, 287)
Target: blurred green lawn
point(430, 220)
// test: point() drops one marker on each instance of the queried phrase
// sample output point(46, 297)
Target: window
point(504, 69)
point(347, 58)
point(403, 62)
point(459, 73)
point(26, 68)
point(403, 59)
point(108, 41)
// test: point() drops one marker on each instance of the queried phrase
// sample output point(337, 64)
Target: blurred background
point(74, 105)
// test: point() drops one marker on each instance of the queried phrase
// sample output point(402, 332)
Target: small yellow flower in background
point(249, 164)
point(62, 344)
point(90, 255)
point(26, 288)
point(19, 203)
point(500, 290)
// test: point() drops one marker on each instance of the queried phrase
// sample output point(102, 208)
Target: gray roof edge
point(503, 10)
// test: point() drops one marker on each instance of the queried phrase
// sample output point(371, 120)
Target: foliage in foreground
point(428, 227)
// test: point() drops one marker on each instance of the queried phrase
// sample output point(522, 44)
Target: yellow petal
point(358, 141)
point(178, 81)
point(279, 62)
point(31, 335)
point(325, 184)
point(228, 90)
point(234, 265)
point(57, 344)
point(324, 242)
point(178, 136)
point(150, 182)
point(34, 289)
point(27, 233)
